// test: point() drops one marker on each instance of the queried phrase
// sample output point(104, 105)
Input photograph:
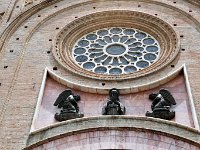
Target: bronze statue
point(161, 105)
point(68, 102)
point(113, 105)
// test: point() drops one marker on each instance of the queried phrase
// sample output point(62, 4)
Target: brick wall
point(27, 57)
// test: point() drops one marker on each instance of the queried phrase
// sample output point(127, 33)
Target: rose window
point(116, 51)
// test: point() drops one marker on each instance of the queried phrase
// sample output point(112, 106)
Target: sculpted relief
point(113, 105)
point(67, 101)
point(162, 102)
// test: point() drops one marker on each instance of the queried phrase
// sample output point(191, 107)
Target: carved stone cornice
point(76, 126)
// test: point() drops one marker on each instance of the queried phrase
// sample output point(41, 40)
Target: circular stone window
point(116, 45)
point(116, 50)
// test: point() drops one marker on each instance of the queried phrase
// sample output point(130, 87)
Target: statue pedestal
point(67, 116)
point(161, 113)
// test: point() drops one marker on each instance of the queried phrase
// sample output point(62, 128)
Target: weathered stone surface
point(113, 122)
point(28, 33)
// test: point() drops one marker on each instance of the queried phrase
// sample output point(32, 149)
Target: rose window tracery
point(116, 50)
point(115, 45)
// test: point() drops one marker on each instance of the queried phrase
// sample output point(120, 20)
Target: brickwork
point(28, 33)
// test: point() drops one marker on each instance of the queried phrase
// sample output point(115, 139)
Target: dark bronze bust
point(161, 105)
point(68, 102)
point(113, 105)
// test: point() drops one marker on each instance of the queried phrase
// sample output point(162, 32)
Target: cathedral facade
point(99, 74)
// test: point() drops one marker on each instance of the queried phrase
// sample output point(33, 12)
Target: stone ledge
point(74, 126)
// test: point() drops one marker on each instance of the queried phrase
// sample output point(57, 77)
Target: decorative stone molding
point(21, 19)
point(65, 128)
point(164, 34)
point(195, 2)
point(27, 2)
